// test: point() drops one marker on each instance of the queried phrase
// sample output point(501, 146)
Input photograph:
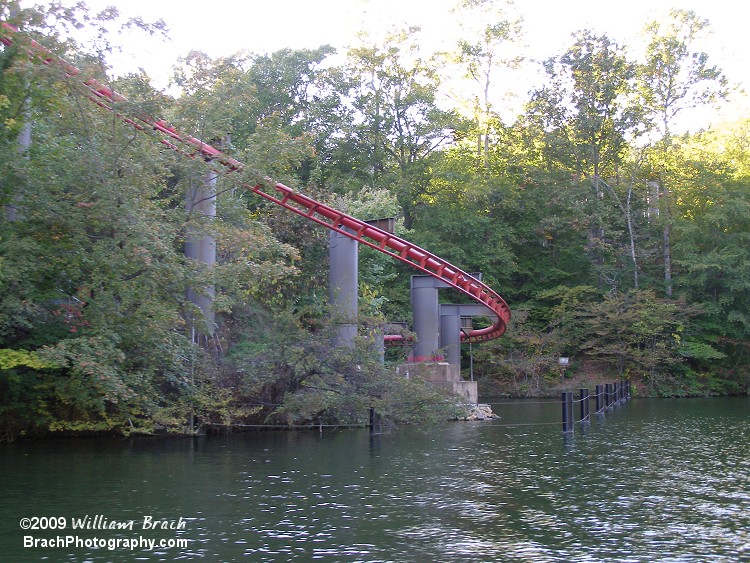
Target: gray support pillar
point(200, 245)
point(450, 328)
point(343, 287)
point(24, 143)
point(24, 137)
point(426, 322)
point(450, 336)
point(378, 343)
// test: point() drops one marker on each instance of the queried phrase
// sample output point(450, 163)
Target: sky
point(223, 27)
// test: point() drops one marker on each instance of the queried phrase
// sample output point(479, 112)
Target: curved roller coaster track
point(318, 212)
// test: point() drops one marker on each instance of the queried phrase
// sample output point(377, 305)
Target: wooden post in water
point(599, 398)
point(585, 405)
point(608, 395)
point(567, 412)
point(376, 426)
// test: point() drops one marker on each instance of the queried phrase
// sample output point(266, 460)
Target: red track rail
point(284, 196)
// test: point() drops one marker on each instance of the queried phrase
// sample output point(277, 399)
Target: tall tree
point(584, 118)
point(299, 91)
point(398, 125)
point(597, 77)
point(493, 47)
point(674, 78)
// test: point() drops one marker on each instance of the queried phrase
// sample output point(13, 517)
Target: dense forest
point(618, 240)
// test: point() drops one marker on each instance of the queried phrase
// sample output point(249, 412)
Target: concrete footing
point(441, 374)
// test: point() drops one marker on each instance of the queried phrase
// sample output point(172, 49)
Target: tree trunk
point(24, 137)
point(666, 234)
point(667, 262)
point(629, 216)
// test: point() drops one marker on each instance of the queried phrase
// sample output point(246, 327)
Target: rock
point(479, 412)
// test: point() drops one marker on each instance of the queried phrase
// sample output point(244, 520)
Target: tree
point(93, 280)
point(633, 330)
point(597, 79)
point(299, 90)
point(482, 58)
point(580, 126)
point(712, 248)
point(672, 79)
point(397, 126)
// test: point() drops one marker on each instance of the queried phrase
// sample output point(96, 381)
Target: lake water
point(653, 480)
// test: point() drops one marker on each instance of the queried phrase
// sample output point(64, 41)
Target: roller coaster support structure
point(343, 290)
point(451, 330)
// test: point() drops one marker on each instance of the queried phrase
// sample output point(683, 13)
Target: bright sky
point(223, 27)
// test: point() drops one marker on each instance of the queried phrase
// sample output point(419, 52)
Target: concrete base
point(444, 375)
point(467, 390)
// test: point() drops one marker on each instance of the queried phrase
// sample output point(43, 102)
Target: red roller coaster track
point(284, 196)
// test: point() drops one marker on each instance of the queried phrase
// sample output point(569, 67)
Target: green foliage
point(526, 360)
point(636, 332)
point(700, 351)
point(674, 77)
point(399, 125)
point(296, 377)
point(10, 359)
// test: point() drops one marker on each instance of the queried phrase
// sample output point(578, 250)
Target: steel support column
point(343, 286)
point(450, 327)
point(200, 245)
point(450, 337)
point(426, 321)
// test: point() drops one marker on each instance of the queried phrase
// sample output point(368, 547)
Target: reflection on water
point(650, 481)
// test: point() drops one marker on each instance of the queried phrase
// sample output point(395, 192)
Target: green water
point(653, 480)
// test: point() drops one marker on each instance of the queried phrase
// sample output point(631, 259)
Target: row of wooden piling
point(606, 396)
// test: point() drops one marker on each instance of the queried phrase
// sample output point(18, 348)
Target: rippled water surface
point(653, 480)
